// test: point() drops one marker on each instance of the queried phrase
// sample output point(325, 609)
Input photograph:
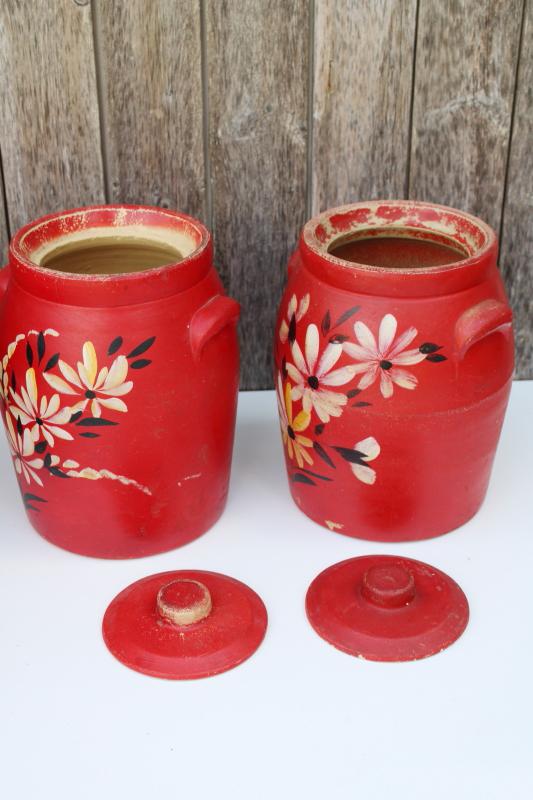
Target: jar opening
point(98, 253)
point(394, 248)
point(84, 242)
point(433, 227)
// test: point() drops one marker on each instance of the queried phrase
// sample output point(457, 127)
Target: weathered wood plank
point(150, 57)
point(464, 84)
point(50, 136)
point(517, 239)
point(362, 90)
point(258, 79)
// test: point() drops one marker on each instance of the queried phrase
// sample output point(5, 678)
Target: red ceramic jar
point(118, 378)
point(392, 378)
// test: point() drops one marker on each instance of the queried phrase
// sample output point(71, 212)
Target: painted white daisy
point(312, 375)
point(102, 389)
point(291, 427)
point(369, 449)
point(386, 357)
point(22, 449)
point(294, 309)
point(42, 415)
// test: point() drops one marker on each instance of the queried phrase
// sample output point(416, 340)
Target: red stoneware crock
point(118, 378)
point(392, 375)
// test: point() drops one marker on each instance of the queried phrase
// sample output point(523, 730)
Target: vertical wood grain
point(50, 136)
point(362, 93)
point(465, 73)
point(516, 257)
point(257, 64)
point(151, 94)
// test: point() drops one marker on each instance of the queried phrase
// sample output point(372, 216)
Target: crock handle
point(210, 319)
point(479, 321)
point(4, 280)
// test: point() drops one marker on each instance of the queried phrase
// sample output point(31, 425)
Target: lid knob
point(388, 586)
point(184, 601)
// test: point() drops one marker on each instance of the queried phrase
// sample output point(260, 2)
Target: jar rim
point(145, 284)
point(475, 237)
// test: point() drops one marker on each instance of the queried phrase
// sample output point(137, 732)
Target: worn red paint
point(136, 628)
point(148, 364)
point(387, 608)
point(393, 383)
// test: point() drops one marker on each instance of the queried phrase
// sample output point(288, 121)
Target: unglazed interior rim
point(395, 228)
point(183, 234)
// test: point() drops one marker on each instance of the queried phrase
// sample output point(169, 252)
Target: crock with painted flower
point(394, 357)
point(118, 378)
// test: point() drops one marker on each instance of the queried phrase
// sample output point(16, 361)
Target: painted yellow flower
point(292, 427)
point(40, 414)
point(102, 389)
point(4, 379)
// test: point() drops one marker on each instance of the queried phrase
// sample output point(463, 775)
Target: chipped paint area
point(189, 478)
point(469, 232)
point(334, 526)
point(108, 222)
point(95, 475)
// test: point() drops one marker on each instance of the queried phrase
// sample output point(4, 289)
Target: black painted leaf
point(41, 346)
point(47, 460)
point(319, 429)
point(316, 475)
point(326, 323)
point(95, 422)
point(319, 450)
point(429, 347)
point(19, 426)
point(346, 316)
point(57, 472)
point(28, 496)
point(284, 368)
point(75, 416)
point(114, 346)
point(361, 404)
point(299, 477)
point(353, 456)
point(140, 363)
point(436, 357)
point(339, 338)
point(13, 382)
point(142, 347)
point(90, 435)
point(40, 447)
point(292, 329)
point(50, 364)
point(29, 354)
point(353, 393)
point(29, 507)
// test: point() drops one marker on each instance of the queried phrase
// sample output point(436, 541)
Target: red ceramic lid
point(185, 624)
point(386, 608)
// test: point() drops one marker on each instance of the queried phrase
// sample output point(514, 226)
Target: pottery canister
point(392, 377)
point(118, 378)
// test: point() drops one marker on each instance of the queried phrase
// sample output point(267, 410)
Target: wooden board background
point(253, 114)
